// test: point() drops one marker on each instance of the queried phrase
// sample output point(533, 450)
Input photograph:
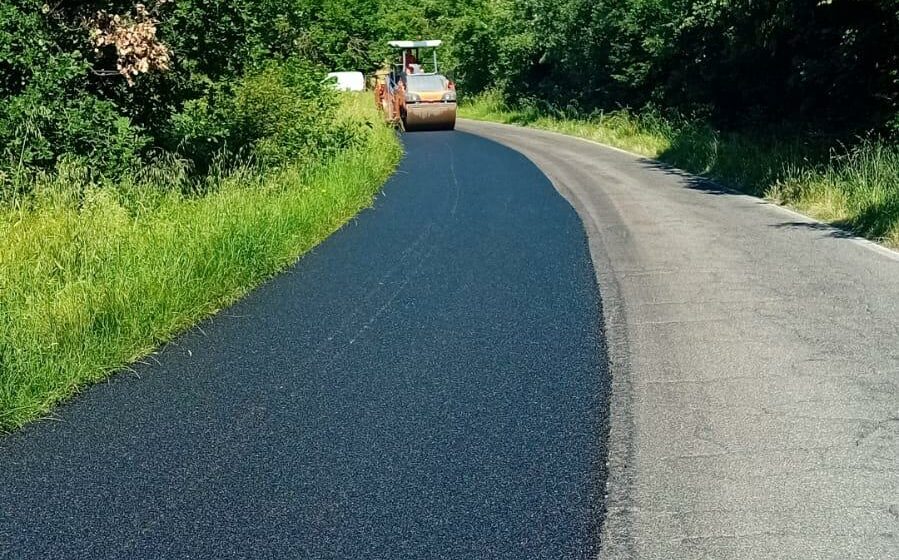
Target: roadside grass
point(852, 187)
point(94, 277)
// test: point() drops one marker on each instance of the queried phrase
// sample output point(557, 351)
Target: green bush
point(280, 113)
point(36, 132)
point(204, 127)
point(48, 111)
point(222, 102)
point(285, 111)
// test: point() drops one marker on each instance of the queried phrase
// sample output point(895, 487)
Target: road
point(430, 382)
point(447, 376)
point(755, 366)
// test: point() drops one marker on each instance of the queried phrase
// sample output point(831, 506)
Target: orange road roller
point(412, 93)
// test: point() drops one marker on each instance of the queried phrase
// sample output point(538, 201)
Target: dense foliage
point(831, 65)
point(229, 84)
point(831, 62)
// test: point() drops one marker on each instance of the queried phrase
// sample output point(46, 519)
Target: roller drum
point(430, 116)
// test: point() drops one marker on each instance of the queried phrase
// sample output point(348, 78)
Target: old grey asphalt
point(755, 365)
point(429, 383)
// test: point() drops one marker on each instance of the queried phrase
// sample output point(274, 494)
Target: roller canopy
point(414, 44)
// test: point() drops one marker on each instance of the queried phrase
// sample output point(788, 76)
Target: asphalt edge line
point(829, 228)
point(614, 539)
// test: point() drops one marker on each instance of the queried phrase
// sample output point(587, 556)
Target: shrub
point(94, 80)
point(285, 111)
point(279, 113)
point(204, 127)
point(36, 131)
point(48, 110)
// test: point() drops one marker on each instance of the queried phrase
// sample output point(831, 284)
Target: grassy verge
point(89, 283)
point(856, 188)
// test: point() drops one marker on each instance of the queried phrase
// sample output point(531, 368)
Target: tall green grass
point(93, 277)
point(854, 187)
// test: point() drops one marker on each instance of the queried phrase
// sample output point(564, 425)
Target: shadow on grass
point(876, 221)
point(752, 164)
point(691, 180)
point(837, 230)
point(522, 118)
point(756, 165)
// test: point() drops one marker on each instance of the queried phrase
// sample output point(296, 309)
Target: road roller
point(412, 93)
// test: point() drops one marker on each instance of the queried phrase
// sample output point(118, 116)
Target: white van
point(347, 81)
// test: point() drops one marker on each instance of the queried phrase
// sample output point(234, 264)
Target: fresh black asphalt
point(429, 383)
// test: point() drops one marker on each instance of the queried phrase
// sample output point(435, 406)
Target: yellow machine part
point(430, 116)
